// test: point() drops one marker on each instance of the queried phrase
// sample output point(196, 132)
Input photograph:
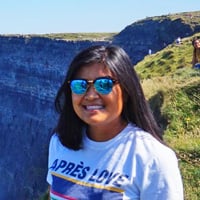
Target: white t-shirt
point(131, 166)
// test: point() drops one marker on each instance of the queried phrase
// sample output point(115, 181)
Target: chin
point(95, 123)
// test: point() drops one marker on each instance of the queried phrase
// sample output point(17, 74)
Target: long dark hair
point(195, 58)
point(135, 109)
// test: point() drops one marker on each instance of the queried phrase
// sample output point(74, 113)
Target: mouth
point(94, 107)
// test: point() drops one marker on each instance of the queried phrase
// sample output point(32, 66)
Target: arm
point(194, 58)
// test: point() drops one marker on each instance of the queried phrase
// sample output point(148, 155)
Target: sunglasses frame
point(92, 82)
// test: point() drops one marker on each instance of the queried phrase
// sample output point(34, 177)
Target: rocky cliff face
point(32, 69)
point(156, 33)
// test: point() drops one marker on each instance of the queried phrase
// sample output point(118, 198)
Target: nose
point(91, 93)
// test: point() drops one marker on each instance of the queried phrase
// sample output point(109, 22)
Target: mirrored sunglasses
point(103, 85)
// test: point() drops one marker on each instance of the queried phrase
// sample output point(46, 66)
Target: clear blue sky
point(71, 16)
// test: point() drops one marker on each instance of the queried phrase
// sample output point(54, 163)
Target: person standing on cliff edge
point(107, 144)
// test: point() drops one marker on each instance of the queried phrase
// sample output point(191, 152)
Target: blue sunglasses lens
point(102, 85)
point(78, 86)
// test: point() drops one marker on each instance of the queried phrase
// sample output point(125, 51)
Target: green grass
point(191, 18)
point(173, 90)
point(179, 109)
point(167, 61)
point(80, 36)
point(74, 36)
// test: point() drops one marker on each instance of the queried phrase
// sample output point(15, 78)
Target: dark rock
point(31, 71)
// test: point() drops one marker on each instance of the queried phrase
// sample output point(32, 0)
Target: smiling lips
point(94, 107)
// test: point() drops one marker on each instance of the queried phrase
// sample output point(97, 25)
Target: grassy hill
point(168, 61)
point(173, 90)
point(191, 18)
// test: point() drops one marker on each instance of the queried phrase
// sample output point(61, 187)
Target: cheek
point(75, 101)
point(118, 98)
point(121, 101)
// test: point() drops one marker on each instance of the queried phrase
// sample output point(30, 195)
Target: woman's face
point(96, 109)
point(197, 44)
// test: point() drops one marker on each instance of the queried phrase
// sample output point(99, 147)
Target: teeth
point(93, 107)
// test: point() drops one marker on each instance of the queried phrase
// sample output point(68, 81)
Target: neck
point(104, 133)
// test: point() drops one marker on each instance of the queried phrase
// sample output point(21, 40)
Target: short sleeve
point(52, 144)
point(162, 179)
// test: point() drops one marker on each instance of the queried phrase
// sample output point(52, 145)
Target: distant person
point(178, 40)
point(150, 52)
point(107, 144)
point(196, 53)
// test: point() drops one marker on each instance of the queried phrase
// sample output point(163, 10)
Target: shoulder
point(54, 139)
point(148, 148)
point(154, 159)
point(55, 143)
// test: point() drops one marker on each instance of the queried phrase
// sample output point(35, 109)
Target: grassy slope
point(173, 90)
point(191, 18)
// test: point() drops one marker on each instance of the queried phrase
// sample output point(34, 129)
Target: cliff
point(32, 68)
point(156, 33)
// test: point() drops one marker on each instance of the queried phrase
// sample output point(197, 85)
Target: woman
point(196, 53)
point(107, 144)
